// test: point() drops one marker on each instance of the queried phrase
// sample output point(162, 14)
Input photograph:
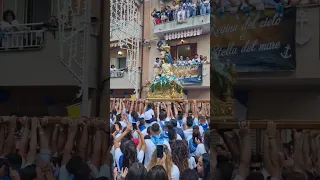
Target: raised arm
point(23, 144)
point(123, 134)
point(273, 150)
point(83, 141)
point(32, 153)
point(98, 124)
point(54, 140)
point(245, 155)
point(306, 150)
point(297, 153)
point(73, 127)
point(9, 145)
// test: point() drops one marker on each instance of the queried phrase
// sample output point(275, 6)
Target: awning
point(114, 44)
point(183, 34)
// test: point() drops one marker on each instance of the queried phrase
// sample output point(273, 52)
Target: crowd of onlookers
point(184, 61)
point(159, 140)
point(296, 159)
point(181, 10)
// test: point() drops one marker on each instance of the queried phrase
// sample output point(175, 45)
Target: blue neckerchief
point(6, 177)
point(112, 118)
point(180, 122)
point(157, 140)
point(135, 120)
point(204, 126)
point(120, 161)
point(147, 109)
point(165, 135)
point(142, 127)
point(161, 125)
point(192, 146)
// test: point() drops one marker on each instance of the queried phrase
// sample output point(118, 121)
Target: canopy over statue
point(166, 86)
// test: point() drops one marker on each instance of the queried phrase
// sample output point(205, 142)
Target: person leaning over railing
point(10, 25)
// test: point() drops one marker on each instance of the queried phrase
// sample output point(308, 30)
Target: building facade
point(186, 39)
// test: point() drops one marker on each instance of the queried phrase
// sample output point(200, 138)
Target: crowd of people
point(74, 149)
point(298, 159)
point(184, 61)
point(181, 10)
point(160, 140)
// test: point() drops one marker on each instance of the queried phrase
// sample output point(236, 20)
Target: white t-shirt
point(123, 124)
point(192, 163)
point(118, 154)
point(188, 134)
point(148, 114)
point(156, 64)
point(175, 173)
point(150, 148)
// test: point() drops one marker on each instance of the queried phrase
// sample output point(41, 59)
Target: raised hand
point(73, 125)
point(271, 129)
point(24, 122)
point(244, 128)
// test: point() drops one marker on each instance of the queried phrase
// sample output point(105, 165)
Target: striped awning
point(183, 34)
point(114, 44)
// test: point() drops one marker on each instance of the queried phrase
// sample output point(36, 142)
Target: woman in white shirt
point(169, 166)
point(131, 153)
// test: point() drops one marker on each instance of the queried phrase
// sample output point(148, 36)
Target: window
point(122, 62)
point(185, 50)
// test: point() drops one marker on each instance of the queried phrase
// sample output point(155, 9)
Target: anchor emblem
point(286, 51)
point(302, 19)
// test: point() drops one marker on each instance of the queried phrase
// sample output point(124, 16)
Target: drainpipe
point(100, 84)
point(142, 42)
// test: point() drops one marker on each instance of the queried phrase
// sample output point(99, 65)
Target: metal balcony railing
point(117, 73)
point(21, 37)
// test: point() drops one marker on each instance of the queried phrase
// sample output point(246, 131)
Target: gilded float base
point(165, 95)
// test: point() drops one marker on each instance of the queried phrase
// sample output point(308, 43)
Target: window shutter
point(173, 51)
point(193, 48)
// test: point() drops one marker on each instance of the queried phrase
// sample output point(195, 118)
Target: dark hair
point(255, 176)
point(142, 121)
point(256, 158)
point(15, 160)
point(102, 178)
point(112, 66)
point(157, 173)
point(29, 172)
point(206, 165)
point(189, 174)
point(128, 135)
point(74, 164)
point(162, 116)
point(189, 121)
point(149, 130)
point(168, 125)
point(155, 128)
point(135, 115)
point(180, 154)
point(174, 122)
point(129, 154)
point(172, 134)
point(137, 171)
point(149, 105)
point(6, 14)
point(207, 139)
point(196, 134)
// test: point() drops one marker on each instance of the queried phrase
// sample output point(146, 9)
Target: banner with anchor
point(255, 40)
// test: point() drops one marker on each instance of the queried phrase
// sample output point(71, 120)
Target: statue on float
point(166, 86)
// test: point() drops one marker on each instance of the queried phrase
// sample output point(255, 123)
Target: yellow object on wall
point(74, 110)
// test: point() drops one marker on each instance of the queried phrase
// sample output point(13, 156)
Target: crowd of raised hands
point(74, 149)
point(159, 140)
point(297, 159)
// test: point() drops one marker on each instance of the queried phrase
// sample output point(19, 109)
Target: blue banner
point(188, 74)
point(256, 41)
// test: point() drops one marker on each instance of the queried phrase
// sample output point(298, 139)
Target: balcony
point(31, 58)
point(21, 37)
point(201, 22)
point(120, 80)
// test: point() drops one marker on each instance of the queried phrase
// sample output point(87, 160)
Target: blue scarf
point(180, 122)
point(161, 125)
point(142, 127)
point(165, 135)
point(157, 140)
point(147, 109)
point(192, 146)
point(6, 177)
point(204, 126)
point(134, 120)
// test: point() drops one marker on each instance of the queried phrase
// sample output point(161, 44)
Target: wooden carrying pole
point(51, 120)
point(189, 100)
point(262, 124)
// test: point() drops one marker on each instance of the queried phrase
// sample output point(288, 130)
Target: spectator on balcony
point(156, 16)
point(157, 63)
point(169, 13)
point(9, 24)
point(181, 62)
